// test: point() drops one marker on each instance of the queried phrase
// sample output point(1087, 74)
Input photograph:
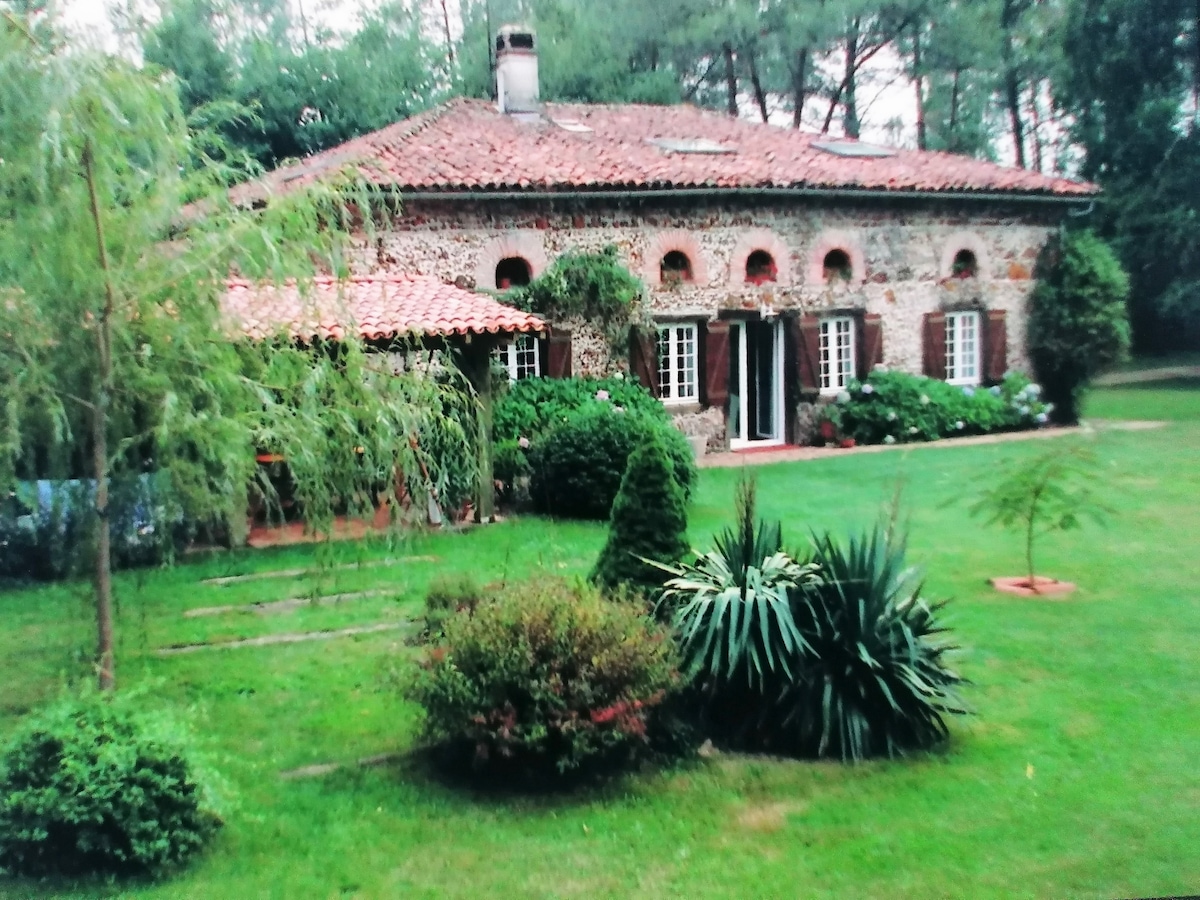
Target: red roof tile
point(373, 307)
point(467, 145)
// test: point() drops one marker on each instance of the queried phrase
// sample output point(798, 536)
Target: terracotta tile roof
point(467, 145)
point(373, 307)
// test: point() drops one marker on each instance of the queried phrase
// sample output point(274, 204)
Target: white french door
point(756, 410)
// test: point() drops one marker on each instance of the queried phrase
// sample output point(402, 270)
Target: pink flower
point(523, 443)
point(601, 394)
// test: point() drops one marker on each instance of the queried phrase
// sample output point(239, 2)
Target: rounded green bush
point(546, 676)
point(578, 465)
point(532, 406)
point(90, 787)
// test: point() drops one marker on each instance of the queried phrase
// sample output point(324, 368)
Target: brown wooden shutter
point(806, 339)
point(934, 344)
point(870, 343)
point(716, 364)
point(995, 345)
point(643, 359)
point(558, 354)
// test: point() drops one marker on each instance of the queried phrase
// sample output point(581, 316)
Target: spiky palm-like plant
point(877, 680)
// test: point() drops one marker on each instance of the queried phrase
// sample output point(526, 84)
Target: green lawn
point(1077, 776)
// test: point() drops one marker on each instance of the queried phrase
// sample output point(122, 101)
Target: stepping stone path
point(316, 771)
point(301, 573)
point(282, 606)
point(287, 638)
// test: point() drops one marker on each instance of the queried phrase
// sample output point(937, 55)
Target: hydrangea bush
point(896, 407)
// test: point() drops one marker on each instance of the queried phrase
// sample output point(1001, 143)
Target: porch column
point(475, 360)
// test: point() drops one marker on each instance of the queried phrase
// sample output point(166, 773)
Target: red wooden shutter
point(995, 345)
point(806, 337)
point(643, 359)
point(558, 354)
point(934, 343)
point(870, 343)
point(716, 364)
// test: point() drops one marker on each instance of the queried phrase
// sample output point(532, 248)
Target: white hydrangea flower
point(924, 399)
point(618, 409)
point(601, 394)
point(892, 416)
point(968, 390)
point(1041, 418)
point(960, 424)
point(888, 439)
point(1035, 390)
point(994, 390)
point(913, 429)
point(868, 389)
point(523, 443)
point(843, 397)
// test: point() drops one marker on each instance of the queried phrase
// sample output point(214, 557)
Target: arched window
point(675, 268)
point(760, 268)
point(837, 266)
point(966, 265)
point(511, 272)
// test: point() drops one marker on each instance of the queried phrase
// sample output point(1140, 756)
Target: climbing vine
point(596, 287)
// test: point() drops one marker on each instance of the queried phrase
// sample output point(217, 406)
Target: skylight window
point(689, 145)
point(854, 149)
point(572, 125)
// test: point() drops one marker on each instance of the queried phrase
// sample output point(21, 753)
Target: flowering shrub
point(532, 405)
point(895, 407)
point(547, 676)
point(577, 466)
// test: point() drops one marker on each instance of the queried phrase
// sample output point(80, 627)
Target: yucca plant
point(732, 608)
point(877, 680)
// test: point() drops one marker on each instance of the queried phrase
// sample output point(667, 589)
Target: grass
point(1075, 778)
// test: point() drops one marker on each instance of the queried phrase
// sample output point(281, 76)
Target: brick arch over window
point(681, 242)
point(971, 242)
point(826, 243)
point(520, 245)
point(768, 242)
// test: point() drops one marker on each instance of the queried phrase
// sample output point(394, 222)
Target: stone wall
point(903, 253)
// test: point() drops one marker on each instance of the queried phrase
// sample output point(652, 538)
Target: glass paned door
point(756, 411)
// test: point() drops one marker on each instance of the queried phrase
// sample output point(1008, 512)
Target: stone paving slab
point(287, 638)
point(1166, 373)
point(226, 580)
point(320, 769)
point(281, 606)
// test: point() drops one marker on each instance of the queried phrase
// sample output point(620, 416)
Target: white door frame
point(739, 345)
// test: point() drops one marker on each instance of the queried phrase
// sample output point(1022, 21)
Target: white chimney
point(516, 70)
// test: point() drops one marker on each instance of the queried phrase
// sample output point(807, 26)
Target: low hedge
point(531, 406)
point(895, 407)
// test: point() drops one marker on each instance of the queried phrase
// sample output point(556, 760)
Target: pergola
point(381, 309)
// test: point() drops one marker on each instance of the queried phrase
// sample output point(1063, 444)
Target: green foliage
point(648, 523)
point(579, 463)
point(595, 287)
point(1053, 491)
point(547, 676)
point(510, 462)
point(92, 786)
point(532, 406)
point(876, 679)
point(895, 407)
point(1078, 322)
point(448, 595)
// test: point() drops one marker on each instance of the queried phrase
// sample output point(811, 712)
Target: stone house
point(779, 264)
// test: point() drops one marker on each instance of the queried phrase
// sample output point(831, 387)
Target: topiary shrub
point(531, 406)
point(648, 522)
point(545, 677)
point(578, 465)
point(1078, 321)
point(897, 408)
point(90, 787)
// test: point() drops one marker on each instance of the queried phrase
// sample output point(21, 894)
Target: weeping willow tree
point(117, 236)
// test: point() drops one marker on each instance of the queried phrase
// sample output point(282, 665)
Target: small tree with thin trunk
point(117, 236)
point(1054, 491)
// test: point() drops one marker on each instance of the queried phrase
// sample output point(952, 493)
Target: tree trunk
point(730, 79)
point(851, 123)
point(760, 96)
point(105, 655)
point(799, 87)
point(954, 97)
point(1035, 133)
point(449, 40)
point(1012, 81)
point(919, 84)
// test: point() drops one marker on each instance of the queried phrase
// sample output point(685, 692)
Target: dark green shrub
point(545, 677)
point(447, 595)
point(896, 407)
point(876, 681)
point(648, 522)
point(1078, 320)
point(90, 787)
point(510, 463)
point(532, 406)
point(578, 464)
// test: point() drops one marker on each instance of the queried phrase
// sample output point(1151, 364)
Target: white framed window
point(677, 368)
point(962, 348)
point(520, 357)
point(837, 353)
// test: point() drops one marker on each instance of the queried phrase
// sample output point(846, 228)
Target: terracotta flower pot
point(846, 443)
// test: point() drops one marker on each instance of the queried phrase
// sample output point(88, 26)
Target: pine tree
point(648, 521)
